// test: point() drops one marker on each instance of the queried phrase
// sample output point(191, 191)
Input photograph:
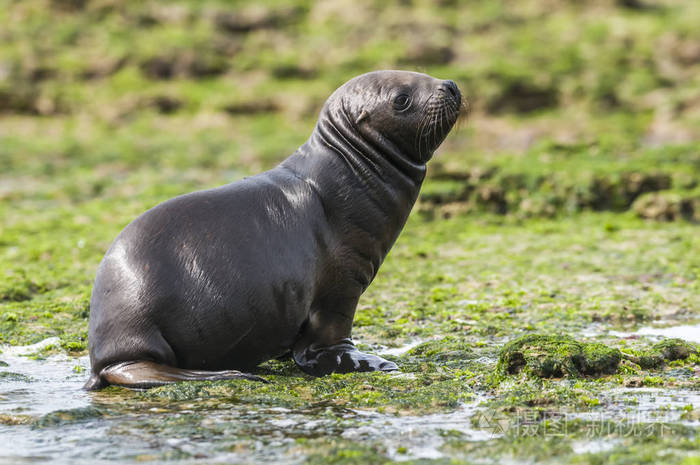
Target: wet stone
point(69, 416)
point(10, 376)
point(668, 206)
point(557, 356)
point(667, 350)
point(674, 349)
point(12, 420)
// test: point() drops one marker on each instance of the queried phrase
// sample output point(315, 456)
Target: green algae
point(10, 376)
point(663, 352)
point(420, 392)
point(443, 350)
point(16, 419)
point(478, 281)
point(113, 108)
point(557, 356)
point(669, 206)
point(59, 417)
point(440, 375)
point(675, 349)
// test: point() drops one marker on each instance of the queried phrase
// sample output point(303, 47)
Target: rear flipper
point(143, 374)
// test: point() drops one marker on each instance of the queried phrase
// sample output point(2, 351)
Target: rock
point(674, 349)
point(251, 107)
point(522, 97)
point(185, 63)
point(557, 356)
point(668, 206)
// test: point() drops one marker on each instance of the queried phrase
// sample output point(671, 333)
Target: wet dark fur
point(226, 278)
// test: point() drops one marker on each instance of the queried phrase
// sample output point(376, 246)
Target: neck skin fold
point(367, 185)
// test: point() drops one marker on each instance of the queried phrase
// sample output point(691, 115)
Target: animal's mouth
point(441, 113)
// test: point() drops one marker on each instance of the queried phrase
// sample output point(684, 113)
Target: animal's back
point(187, 274)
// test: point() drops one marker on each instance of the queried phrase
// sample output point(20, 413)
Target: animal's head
point(412, 111)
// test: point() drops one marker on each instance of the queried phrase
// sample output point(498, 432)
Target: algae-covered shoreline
point(532, 301)
point(458, 396)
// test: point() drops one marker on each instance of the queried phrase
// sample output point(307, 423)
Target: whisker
point(425, 133)
point(426, 126)
point(443, 123)
point(464, 110)
point(433, 125)
point(419, 134)
point(418, 141)
point(443, 114)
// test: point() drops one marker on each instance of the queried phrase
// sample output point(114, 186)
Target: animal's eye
point(402, 102)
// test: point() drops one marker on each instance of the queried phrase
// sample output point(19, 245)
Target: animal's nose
point(451, 89)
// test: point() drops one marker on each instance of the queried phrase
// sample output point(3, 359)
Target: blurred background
point(108, 107)
point(574, 105)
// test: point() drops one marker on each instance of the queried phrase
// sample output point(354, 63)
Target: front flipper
point(343, 357)
point(144, 374)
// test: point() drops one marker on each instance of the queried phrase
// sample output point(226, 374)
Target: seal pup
point(207, 285)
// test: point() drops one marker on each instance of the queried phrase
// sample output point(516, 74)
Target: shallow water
point(687, 332)
point(414, 437)
point(41, 386)
point(65, 424)
point(396, 351)
point(55, 421)
point(30, 389)
point(644, 406)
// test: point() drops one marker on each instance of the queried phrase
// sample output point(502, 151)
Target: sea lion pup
point(208, 285)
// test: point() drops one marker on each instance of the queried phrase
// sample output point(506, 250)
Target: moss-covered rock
point(8, 419)
point(557, 356)
point(667, 350)
point(668, 206)
point(647, 360)
point(6, 376)
point(74, 415)
point(674, 349)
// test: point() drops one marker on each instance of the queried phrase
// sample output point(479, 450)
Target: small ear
point(363, 116)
